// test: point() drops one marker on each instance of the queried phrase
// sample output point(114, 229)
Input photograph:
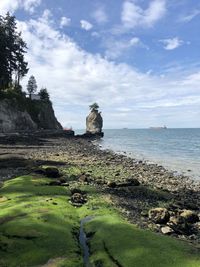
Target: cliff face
point(45, 116)
point(34, 115)
point(94, 122)
point(12, 119)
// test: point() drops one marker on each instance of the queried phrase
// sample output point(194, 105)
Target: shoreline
point(109, 172)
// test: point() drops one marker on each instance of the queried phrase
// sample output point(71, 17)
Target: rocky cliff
point(12, 119)
point(43, 115)
point(30, 116)
point(94, 122)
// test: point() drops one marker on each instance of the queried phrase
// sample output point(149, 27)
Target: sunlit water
point(176, 149)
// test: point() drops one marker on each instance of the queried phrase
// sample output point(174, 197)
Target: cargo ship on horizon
point(158, 128)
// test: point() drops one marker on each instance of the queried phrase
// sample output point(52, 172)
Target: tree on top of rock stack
point(94, 121)
point(94, 106)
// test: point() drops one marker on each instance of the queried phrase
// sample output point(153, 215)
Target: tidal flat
point(49, 186)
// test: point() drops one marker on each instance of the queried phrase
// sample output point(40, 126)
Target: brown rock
point(159, 215)
point(189, 216)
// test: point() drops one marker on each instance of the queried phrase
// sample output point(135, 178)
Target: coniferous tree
point(94, 106)
point(32, 85)
point(12, 50)
point(44, 95)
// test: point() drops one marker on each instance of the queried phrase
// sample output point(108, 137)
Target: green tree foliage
point(32, 85)
point(94, 106)
point(44, 95)
point(12, 50)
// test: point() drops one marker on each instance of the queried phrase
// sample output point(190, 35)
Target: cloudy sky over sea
point(139, 59)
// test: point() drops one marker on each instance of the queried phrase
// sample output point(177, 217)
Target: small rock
point(62, 180)
point(52, 172)
point(133, 181)
point(83, 178)
point(78, 198)
point(3, 199)
point(159, 215)
point(189, 216)
point(111, 184)
point(166, 230)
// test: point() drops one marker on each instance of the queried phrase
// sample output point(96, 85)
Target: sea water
point(176, 149)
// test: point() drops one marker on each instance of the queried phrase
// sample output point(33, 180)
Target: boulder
point(159, 215)
point(78, 199)
point(189, 216)
point(166, 230)
point(94, 122)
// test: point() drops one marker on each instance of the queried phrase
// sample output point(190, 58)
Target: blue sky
point(138, 59)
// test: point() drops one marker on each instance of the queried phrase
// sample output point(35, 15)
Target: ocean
point(177, 150)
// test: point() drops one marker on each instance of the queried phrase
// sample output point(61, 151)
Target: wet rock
point(52, 172)
point(189, 216)
point(179, 225)
point(39, 171)
point(133, 181)
point(166, 230)
point(159, 215)
point(78, 199)
point(62, 180)
point(111, 184)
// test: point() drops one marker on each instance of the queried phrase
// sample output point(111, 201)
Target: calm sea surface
point(175, 149)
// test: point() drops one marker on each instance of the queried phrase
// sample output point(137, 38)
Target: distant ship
point(159, 128)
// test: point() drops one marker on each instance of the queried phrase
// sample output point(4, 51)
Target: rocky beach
point(133, 185)
point(145, 195)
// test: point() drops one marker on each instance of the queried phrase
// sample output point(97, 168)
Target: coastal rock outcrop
point(13, 119)
point(94, 122)
point(44, 115)
point(27, 115)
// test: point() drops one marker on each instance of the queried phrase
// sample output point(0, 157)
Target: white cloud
point(86, 25)
point(76, 78)
point(65, 22)
point(30, 5)
point(115, 48)
point(171, 44)
point(100, 15)
point(13, 5)
point(133, 15)
point(190, 16)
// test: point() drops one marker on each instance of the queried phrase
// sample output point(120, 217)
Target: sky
point(138, 59)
